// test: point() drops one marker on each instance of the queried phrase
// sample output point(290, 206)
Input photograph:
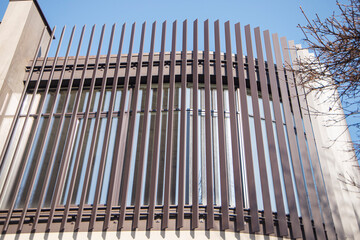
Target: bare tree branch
point(335, 67)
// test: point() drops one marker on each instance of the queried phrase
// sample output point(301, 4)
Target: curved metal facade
point(185, 140)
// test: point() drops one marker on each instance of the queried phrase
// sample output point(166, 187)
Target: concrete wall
point(337, 158)
point(20, 32)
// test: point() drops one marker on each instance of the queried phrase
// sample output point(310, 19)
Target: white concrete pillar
point(20, 32)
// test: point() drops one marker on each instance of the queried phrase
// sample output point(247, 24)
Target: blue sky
point(279, 16)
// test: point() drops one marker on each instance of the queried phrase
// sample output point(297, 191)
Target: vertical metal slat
point(258, 133)
point(94, 135)
point(246, 134)
point(169, 147)
point(315, 208)
point(290, 194)
point(106, 136)
point(209, 158)
point(221, 126)
point(67, 147)
point(144, 135)
point(122, 119)
point(43, 140)
point(239, 225)
point(57, 135)
point(304, 208)
point(155, 158)
point(130, 141)
point(51, 114)
point(280, 210)
point(325, 208)
point(180, 216)
point(195, 195)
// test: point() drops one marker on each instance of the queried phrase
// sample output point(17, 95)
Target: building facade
point(190, 143)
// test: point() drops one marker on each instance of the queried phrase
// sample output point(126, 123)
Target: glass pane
point(189, 157)
point(177, 96)
point(154, 92)
point(162, 153)
point(216, 158)
point(292, 172)
point(229, 161)
point(95, 100)
point(174, 182)
point(95, 166)
point(226, 100)
point(149, 158)
point(36, 100)
point(49, 101)
point(33, 158)
point(141, 99)
point(189, 98)
point(280, 170)
point(70, 172)
point(249, 105)
point(256, 164)
point(242, 151)
point(106, 101)
point(85, 151)
point(166, 97)
point(13, 161)
point(268, 167)
point(70, 106)
point(201, 150)
point(134, 166)
point(84, 98)
point(118, 99)
point(109, 158)
point(25, 104)
point(60, 101)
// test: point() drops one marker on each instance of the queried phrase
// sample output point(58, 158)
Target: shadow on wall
point(9, 102)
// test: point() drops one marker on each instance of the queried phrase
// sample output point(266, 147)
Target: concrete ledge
point(141, 235)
